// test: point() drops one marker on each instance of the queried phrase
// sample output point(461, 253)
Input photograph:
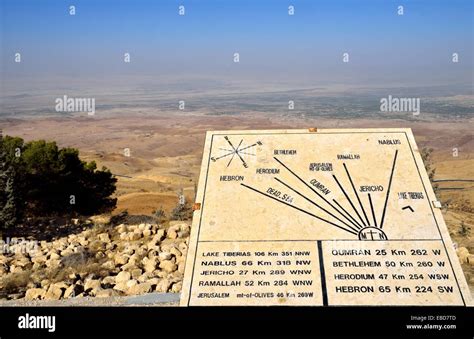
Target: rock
point(164, 255)
point(168, 266)
point(462, 253)
point(186, 228)
point(120, 259)
point(35, 294)
point(108, 265)
point(146, 233)
point(145, 277)
point(149, 264)
point(54, 255)
point(74, 277)
point(174, 251)
point(100, 219)
point(54, 292)
point(131, 283)
point(175, 277)
point(121, 228)
point(167, 247)
point(129, 267)
point(66, 252)
point(153, 282)
point(160, 235)
point(110, 246)
point(176, 224)
point(129, 249)
point(83, 241)
point(100, 255)
point(122, 277)
point(160, 274)
point(134, 236)
point(62, 285)
point(183, 248)
point(139, 289)
point(108, 281)
point(104, 237)
point(98, 245)
point(134, 259)
point(44, 283)
point(181, 266)
point(39, 259)
point(153, 253)
point(181, 229)
point(73, 290)
point(121, 286)
point(16, 269)
point(182, 234)
point(92, 286)
point(22, 262)
point(136, 272)
point(37, 267)
point(470, 259)
point(176, 287)
point(106, 293)
point(163, 286)
point(15, 296)
point(53, 263)
point(172, 234)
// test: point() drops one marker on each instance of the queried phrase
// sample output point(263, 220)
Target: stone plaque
point(318, 217)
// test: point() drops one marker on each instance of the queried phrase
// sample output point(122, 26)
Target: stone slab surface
point(318, 217)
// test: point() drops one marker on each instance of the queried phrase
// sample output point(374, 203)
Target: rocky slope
point(103, 261)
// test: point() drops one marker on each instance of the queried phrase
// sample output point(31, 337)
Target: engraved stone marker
point(318, 217)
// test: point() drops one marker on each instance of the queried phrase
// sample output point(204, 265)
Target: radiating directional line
point(223, 156)
point(357, 195)
point(315, 204)
point(388, 190)
point(225, 149)
point(297, 208)
point(235, 152)
point(372, 208)
point(312, 189)
point(353, 221)
point(348, 199)
point(249, 146)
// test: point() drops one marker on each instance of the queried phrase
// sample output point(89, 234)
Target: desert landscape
point(155, 153)
point(155, 156)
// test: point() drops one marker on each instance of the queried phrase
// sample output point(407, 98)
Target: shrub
point(182, 212)
point(45, 180)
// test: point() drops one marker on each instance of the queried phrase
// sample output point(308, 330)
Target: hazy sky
point(383, 47)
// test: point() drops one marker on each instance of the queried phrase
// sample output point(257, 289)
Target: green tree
point(8, 198)
point(49, 180)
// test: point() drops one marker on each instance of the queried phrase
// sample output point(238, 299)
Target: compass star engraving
point(240, 151)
